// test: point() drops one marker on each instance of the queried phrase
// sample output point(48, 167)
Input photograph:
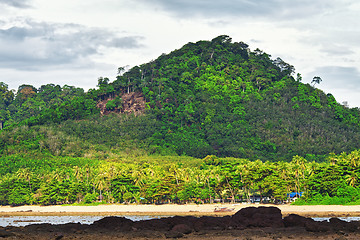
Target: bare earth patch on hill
point(133, 102)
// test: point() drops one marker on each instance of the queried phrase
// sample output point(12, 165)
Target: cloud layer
point(277, 9)
point(68, 39)
point(336, 77)
point(16, 3)
point(35, 45)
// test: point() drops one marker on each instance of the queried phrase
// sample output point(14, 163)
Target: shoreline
point(251, 223)
point(174, 210)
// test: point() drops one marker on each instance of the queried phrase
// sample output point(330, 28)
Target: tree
point(25, 92)
point(77, 173)
point(284, 67)
point(122, 70)
point(316, 80)
point(4, 115)
point(298, 77)
point(352, 179)
point(100, 184)
point(354, 158)
point(298, 166)
point(25, 173)
point(6, 98)
point(102, 82)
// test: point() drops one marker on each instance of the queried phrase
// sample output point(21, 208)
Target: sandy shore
point(173, 209)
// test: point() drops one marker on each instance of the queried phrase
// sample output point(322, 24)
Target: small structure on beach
point(294, 195)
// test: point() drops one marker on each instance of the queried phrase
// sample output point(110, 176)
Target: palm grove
point(212, 120)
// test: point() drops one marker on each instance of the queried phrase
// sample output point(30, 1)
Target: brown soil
point(133, 102)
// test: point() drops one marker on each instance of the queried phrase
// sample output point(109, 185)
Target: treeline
point(45, 165)
point(67, 180)
point(45, 105)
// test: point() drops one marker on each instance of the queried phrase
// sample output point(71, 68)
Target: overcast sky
point(75, 42)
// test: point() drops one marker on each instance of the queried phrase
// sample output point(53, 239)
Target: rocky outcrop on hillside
point(133, 102)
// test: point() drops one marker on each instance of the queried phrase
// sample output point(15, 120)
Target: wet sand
point(174, 209)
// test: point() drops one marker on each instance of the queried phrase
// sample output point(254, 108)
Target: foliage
point(146, 179)
point(207, 98)
point(221, 122)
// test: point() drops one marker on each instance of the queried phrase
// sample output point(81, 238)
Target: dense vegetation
point(208, 113)
point(207, 98)
point(30, 176)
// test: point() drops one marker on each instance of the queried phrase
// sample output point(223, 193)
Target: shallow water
point(348, 219)
point(18, 221)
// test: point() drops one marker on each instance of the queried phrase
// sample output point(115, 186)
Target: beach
point(176, 210)
point(198, 222)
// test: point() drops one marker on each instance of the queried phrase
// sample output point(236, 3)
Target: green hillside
point(207, 98)
point(191, 125)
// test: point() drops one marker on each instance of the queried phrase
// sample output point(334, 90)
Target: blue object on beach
point(294, 194)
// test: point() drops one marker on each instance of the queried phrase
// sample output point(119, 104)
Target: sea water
point(18, 221)
point(348, 219)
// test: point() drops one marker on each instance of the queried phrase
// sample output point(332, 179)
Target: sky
point(73, 42)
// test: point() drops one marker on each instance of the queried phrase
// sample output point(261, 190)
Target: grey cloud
point(126, 42)
point(37, 44)
point(337, 50)
point(275, 9)
point(332, 36)
point(255, 41)
point(16, 3)
point(219, 23)
point(339, 77)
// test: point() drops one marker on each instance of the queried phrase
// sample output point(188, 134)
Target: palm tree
point(25, 174)
point(333, 159)
point(174, 171)
point(110, 174)
point(210, 174)
point(88, 173)
point(284, 173)
point(352, 179)
point(56, 175)
point(246, 180)
point(354, 158)
point(77, 173)
point(298, 166)
point(138, 177)
point(100, 184)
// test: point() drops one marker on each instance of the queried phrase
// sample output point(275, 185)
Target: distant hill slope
point(210, 97)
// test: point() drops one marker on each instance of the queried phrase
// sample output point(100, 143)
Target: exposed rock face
point(211, 223)
point(5, 234)
point(251, 217)
point(258, 219)
point(133, 102)
point(114, 223)
point(182, 228)
point(294, 220)
point(310, 225)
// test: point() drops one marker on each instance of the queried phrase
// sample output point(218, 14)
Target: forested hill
point(208, 98)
